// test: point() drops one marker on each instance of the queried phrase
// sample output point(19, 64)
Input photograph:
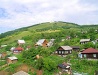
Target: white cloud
point(28, 12)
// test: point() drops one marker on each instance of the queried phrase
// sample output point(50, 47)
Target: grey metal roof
point(66, 47)
point(40, 41)
point(13, 58)
point(84, 40)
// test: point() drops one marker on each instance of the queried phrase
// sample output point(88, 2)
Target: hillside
point(48, 27)
point(64, 33)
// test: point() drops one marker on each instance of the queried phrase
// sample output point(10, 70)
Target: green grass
point(85, 66)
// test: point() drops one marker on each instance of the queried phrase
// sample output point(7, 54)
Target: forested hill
point(47, 27)
point(42, 26)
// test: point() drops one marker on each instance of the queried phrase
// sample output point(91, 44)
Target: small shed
point(12, 59)
point(50, 43)
point(21, 73)
point(64, 67)
point(75, 48)
point(21, 42)
point(83, 41)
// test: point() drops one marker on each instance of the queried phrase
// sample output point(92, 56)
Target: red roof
point(19, 48)
point(90, 50)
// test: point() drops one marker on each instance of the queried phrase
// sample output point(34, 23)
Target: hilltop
point(48, 26)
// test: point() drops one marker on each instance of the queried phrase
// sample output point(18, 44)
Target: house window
point(59, 52)
point(66, 51)
point(70, 51)
point(62, 52)
point(94, 55)
point(15, 51)
point(84, 55)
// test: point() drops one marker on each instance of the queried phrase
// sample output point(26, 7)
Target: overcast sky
point(21, 13)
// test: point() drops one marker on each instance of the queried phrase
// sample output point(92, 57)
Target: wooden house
point(64, 67)
point(21, 42)
point(21, 73)
point(90, 53)
point(42, 42)
point(75, 48)
point(12, 59)
point(18, 50)
point(64, 50)
point(83, 41)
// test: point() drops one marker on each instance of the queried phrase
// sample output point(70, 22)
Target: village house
point(20, 42)
point(83, 41)
point(64, 68)
point(18, 50)
point(50, 43)
point(64, 50)
point(42, 42)
point(90, 53)
point(21, 73)
point(12, 59)
point(75, 48)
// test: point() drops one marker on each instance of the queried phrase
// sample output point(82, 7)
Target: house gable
point(90, 53)
point(42, 42)
point(64, 50)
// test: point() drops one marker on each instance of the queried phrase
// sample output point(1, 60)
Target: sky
point(22, 13)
